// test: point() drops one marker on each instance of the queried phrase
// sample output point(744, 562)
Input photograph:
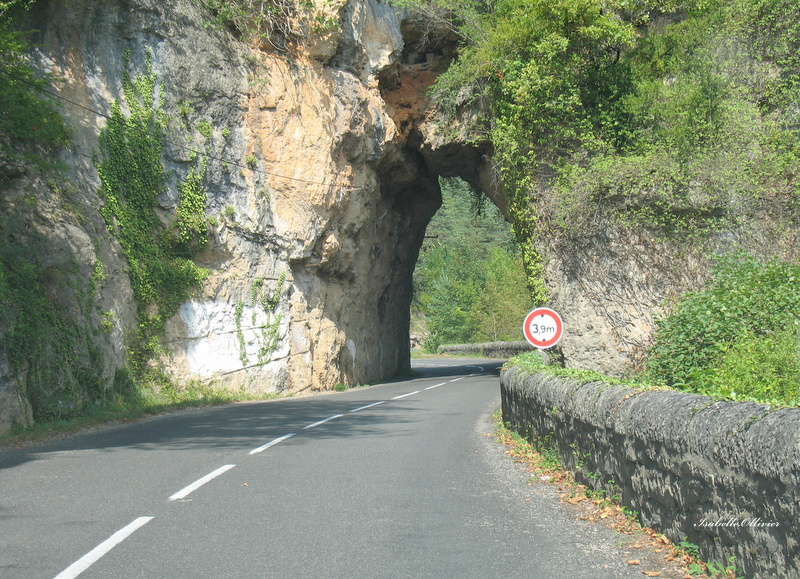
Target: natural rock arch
point(322, 174)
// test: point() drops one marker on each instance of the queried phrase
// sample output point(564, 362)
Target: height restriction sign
point(543, 327)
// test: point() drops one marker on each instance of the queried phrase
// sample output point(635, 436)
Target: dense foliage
point(676, 116)
point(737, 337)
point(469, 282)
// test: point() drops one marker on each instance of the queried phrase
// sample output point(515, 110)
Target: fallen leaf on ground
point(634, 562)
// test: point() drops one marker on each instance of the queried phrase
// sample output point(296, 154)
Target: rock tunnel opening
point(412, 180)
point(410, 176)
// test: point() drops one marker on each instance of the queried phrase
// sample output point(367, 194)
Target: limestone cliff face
point(322, 174)
point(319, 186)
point(609, 286)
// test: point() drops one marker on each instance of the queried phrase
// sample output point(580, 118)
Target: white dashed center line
point(95, 554)
point(323, 421)
point(435, 386)
point(92, 556)
point(271, 443)
point(200, 482)
point(404, 395)
point(367, 406)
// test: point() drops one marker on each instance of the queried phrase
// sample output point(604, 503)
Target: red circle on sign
point(543, 327)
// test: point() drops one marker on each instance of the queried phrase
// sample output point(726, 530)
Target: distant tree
point(449, 285)
point(469, 282)
point(503, 300)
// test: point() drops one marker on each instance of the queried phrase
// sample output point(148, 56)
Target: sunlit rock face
point(322, 167)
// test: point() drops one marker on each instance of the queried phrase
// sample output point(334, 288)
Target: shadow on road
point(246, 425)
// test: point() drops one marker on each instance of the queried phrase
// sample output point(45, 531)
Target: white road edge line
point(200, 482)
point(92, 556)
point(271, 443)
point(457, 379)
point(435, 386)
point(367, 406)
point(323, 421)
point(404, 395)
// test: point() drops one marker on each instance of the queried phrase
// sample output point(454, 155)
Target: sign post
point(543, 328)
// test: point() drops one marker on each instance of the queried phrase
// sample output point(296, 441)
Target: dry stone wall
point(722, 475)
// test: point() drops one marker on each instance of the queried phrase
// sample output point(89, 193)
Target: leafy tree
point(504, 299)
point(469, 283)
point(450, 282)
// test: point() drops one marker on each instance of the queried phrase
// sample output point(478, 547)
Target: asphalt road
point(388, 481)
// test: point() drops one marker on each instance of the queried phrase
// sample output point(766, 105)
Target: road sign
point(543, 327)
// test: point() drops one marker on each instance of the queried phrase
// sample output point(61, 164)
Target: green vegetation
point(533, 362)
point(132, 176)
point(263, 307)
point(45, 340)
point(711, 569)
point(674, 116)
point(737, 337)
point(205, 129)
point(541, 454)
point(29, 120)
point(273, 23)
point(469, 282)
point(45, 305)
point(190, 216)
point(677, 117)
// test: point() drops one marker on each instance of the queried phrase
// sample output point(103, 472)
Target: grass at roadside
point(532, 362)
point(143, 403)
point(542, 462)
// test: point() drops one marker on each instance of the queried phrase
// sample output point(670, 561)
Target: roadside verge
point(721, 475)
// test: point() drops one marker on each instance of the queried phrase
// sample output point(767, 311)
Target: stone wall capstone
point(722, 475)
point(487, 349)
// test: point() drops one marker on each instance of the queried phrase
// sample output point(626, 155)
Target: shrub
point(715, 332)
point(765, 369)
